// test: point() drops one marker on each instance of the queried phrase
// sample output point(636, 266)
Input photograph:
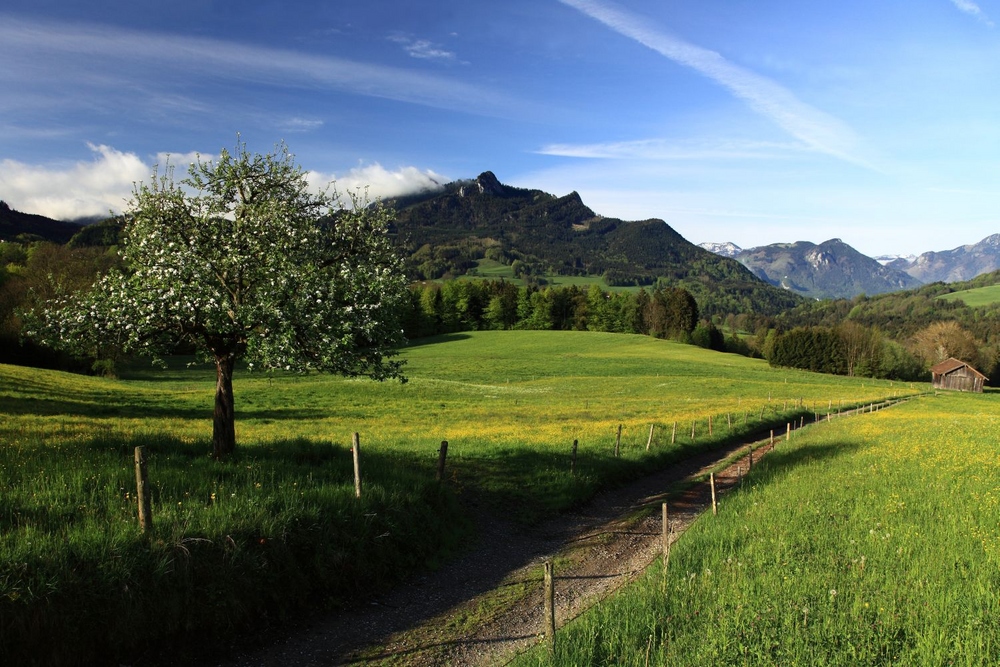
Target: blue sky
point(752, 121)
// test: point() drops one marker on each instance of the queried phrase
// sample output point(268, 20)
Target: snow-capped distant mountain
point(962, 263)
point(885, 260)
point(726, 249)
point(831, 269)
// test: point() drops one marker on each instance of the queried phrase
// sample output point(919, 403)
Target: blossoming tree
point(242, 261)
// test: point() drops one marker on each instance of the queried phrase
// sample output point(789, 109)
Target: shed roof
point(951, 365)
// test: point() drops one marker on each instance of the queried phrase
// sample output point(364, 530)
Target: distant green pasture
point(488, 269)
point(979, 296)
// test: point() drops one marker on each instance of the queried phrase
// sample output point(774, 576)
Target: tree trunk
point(224, 420)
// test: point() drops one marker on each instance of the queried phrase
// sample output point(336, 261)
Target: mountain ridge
point(957, 265)
point(15, 223)
point(831, 269)
point(445, 233)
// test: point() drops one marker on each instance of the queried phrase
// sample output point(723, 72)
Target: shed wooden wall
point(961, 379)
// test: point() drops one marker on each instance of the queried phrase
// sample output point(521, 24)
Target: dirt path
point(485, 607)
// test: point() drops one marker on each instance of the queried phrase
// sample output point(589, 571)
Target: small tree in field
point(241, 261)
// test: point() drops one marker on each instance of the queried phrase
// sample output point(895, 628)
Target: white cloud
point(972, 9)
point(817, 129)
point(380, 182)
point(72, 191)
point(422, 48)
point(105, 184)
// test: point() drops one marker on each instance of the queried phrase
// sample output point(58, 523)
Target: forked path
point(486, 606)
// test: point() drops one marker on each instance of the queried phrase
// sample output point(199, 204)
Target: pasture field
point(976, 297)
point(865, 541)
point(489, 269)
point(251, 540)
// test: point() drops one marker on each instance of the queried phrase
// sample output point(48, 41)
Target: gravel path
point(486, 606)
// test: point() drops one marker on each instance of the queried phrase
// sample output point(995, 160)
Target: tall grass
point(251, 540)
point(866, 542)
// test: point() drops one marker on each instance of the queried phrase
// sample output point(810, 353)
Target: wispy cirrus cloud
point(972, 9)
point(661, 149)
point(815, 128)
point(111, 59)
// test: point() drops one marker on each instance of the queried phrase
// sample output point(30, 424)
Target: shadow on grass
point(782, 460)
point(287, 535)
point(100, 405)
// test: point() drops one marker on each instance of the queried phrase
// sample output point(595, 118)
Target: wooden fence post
point(442, 455)
point(711, 481)
point(142, 491)
point(673, 434)
point(356, 451)
point(692, 430)
point(788, 431)
point(710, 426)
point(618, 442)
point(772, 437)
point(550, 607)
point(666, 537)
point(572, 465)
point(729, 420)
point(650, 440)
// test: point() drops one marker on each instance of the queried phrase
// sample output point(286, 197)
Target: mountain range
point(453, 230)
point(834, 269)
point(831, 269)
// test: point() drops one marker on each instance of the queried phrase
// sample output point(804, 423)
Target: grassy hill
point(250, 542)
point(975, 297)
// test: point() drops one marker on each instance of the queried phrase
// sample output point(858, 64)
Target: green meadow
point(865, 541)
point(489, 269)
point(976, 297)
point(249, 542)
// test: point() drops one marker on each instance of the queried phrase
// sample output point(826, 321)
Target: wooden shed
point(957, 376)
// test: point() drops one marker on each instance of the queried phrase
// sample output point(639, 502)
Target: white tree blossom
point(243, 261)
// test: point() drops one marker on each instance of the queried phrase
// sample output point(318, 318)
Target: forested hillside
point(898, 334)
point(18, 226)
point(445, 234)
